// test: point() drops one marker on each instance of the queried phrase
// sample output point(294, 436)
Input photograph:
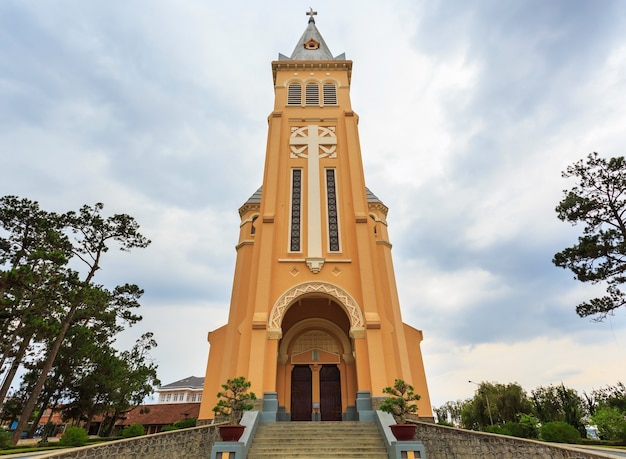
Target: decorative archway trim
point(357, 323)
point(320, 324)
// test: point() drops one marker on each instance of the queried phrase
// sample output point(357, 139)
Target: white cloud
point(532, 363)
point(468, 113)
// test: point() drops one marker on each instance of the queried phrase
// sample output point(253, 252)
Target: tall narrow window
point(296, 209)
point(294, 94)
point(252, 227)
point(330, 94)
point(312, 94)
point(333, 223)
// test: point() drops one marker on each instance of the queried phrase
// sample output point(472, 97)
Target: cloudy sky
point(468, 111)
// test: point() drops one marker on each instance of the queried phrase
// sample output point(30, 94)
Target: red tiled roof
point(160, 414)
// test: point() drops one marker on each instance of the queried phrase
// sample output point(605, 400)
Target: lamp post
point(486, 398)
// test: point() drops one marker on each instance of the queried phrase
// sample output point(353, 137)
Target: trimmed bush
point(5, 439)
point(186, 424)
point(74, 436)
point(560, 432)
point(133, 430)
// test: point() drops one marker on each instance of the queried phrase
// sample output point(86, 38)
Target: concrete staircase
point(317, 440)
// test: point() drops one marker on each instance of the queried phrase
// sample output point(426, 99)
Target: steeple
point(314, 320)
point(311, 46)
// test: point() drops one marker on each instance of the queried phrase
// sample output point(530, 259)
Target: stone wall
point(194, 443)
point(449, 443)
point(440, 442)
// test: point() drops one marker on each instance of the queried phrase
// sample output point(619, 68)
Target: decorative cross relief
point(317, 139)
point(313, 142)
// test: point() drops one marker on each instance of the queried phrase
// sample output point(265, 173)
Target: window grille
point(312, 94)
point(333, 222)
point(330, 94)
point(294, 94)
point(296, 209)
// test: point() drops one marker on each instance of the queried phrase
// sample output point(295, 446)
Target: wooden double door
point(302, 393)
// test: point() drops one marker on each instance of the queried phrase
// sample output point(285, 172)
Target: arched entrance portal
point(316, 377)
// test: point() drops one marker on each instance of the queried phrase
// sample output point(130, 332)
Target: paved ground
point(599, 449)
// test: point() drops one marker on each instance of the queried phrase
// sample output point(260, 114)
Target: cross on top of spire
point(311, 13)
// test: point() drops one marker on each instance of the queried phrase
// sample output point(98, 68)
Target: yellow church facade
point(315, 320)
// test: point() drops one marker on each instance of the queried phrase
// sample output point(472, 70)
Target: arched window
point(294, 94)
point(330, 94)
point(312, 94)
point(252, 227)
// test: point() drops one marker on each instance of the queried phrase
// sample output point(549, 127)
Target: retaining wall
point(440, 443)
point(443, 442)
point(194, 443)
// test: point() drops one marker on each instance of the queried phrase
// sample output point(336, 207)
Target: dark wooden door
point(330, 393)
point(301, 393)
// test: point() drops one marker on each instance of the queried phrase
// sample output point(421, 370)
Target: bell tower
point(314, 313)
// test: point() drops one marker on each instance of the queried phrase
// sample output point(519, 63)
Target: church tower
point(314, 314)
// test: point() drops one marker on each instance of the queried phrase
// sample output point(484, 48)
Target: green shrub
point(74, 436)
point(611, 423)
point(133, 430)
point(187, 423)
point(560, 432)
point(5, 439)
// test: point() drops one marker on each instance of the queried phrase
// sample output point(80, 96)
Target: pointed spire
point(311, 46)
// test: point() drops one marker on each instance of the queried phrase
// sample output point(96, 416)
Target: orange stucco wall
point(352, 298)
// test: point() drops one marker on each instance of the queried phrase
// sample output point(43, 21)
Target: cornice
point(288, 65)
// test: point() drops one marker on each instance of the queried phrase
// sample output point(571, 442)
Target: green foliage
point(611, 423)
point(527, 427)
point(5, 439)
point(559, 403)
point(609, 396)
point(186, 424)
point(133, 430)
point(494, 403)
point(74, 436)
point(234, 399)
point(54, 316)
point(449, 413)
point(598, 201)
point(559, 432)
point(445, 423)
point(399, 403)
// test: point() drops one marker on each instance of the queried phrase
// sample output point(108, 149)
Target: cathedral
point(315, 321)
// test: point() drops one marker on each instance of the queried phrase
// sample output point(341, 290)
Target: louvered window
point(312, 94)
point(296, 211)
point(294, 95)
point(330, 94)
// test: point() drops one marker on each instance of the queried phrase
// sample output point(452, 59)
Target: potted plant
point(232, 402)
point(400, 403)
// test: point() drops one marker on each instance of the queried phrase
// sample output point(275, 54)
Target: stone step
point(317, 440)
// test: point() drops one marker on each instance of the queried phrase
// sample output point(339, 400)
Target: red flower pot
point(403, 432)
point(231, 432)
